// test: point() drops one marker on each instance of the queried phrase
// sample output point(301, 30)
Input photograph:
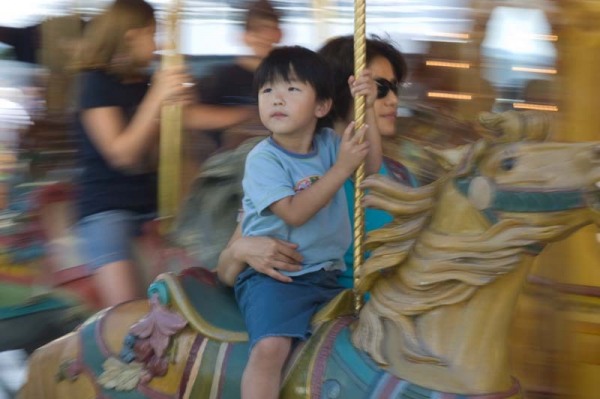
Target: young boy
point(293, 191)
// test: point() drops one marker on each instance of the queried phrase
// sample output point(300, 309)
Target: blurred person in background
point(118, 126)
point(230, 86)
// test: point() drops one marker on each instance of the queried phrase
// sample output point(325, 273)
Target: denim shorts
point(275, 309)
point(106, 237)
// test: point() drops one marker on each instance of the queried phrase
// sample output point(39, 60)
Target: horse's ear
point(448, 158)
point(459, 158)
point(513, 126)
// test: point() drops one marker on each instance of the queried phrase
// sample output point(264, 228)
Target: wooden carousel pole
point(169, 170)
point(360, 56)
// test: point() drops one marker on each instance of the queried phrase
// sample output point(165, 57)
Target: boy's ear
point(323, 107)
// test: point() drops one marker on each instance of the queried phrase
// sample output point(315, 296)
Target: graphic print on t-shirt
point(305, 183)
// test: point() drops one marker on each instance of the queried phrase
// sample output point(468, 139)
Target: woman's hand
point(268, 256)
point(172, 85)
point(264, 254)
point(364, 86)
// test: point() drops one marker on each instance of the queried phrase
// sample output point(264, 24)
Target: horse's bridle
point(528, 200)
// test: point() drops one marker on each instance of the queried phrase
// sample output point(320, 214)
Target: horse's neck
point(470, 337)
point(449, 320)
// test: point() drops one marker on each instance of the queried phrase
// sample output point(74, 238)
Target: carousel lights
point(547, 71)
point(450, 96)
point(450, 35)
point(549, 38)
point(535, 107)
point(448, 64)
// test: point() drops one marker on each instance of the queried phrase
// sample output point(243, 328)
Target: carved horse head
point(445, 275)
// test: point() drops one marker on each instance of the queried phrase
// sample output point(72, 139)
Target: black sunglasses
point(384, 86)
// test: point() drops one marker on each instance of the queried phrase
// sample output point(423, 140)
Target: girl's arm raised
point(124, 145)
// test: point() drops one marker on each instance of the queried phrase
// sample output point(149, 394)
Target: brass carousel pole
point(360, 56)
point(169, 171)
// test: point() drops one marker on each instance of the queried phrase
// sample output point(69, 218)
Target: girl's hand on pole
point(172, 85)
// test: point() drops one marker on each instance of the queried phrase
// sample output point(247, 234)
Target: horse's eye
point(508, 163)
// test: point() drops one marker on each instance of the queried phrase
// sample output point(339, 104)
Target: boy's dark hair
point(339, 54)
point(302, 64)
point(260, 10)
point(297, 62)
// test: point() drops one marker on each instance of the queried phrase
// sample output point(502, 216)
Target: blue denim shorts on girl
point(275, 309)
point(106, 237)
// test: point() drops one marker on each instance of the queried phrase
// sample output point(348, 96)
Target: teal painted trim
point(349, 373)
point(92, 359)
point(236, 363)
point(161, 289)
point(491, 216)
point(528, 201)
point(518, 201)
point(362, 365)
point(462, 185)
point(36, 305)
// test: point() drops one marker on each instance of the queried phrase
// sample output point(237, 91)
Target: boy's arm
point(297, 209)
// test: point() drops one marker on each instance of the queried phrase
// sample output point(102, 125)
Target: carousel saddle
point(210, 307)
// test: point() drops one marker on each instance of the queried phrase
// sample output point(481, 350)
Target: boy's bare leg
point(262, 376)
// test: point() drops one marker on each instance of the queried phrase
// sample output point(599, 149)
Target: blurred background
point(465, 56)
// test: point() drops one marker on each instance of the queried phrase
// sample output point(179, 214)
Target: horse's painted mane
point(414, 269)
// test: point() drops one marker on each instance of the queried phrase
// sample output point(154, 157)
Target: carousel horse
point(443, 279)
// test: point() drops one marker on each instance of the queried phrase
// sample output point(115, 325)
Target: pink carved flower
point(158, 326)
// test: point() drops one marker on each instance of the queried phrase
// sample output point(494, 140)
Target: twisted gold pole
point(169, 169)
point(360, 56)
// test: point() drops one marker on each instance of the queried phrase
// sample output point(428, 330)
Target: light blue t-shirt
point(273, 173)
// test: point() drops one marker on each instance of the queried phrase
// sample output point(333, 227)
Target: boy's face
point(263, 35)
point(290, 108)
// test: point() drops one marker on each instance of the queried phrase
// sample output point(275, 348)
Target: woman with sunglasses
point(387, 67)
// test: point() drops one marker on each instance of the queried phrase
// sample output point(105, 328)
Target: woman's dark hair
point(296, 62)
point(339, 54)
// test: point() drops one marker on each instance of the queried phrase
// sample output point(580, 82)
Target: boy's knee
point(272, 348)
